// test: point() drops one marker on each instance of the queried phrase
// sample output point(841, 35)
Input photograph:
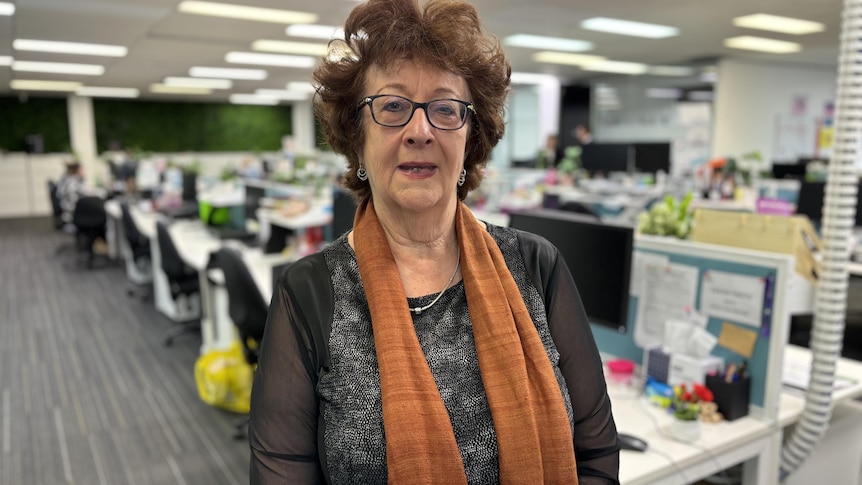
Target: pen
point(742, 372)
point(730, 372)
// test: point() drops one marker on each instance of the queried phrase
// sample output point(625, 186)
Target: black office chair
point(56, 210)
point(246, 307)
point(138, 258)
point(89, 219)
point(182, 279)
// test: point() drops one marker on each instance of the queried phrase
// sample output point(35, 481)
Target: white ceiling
point(163, 42)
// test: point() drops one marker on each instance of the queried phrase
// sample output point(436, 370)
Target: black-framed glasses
point(394, 111)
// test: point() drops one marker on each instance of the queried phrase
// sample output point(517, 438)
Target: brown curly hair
point(446, 34)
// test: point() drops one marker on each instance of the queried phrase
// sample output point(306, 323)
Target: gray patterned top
point(354, 440)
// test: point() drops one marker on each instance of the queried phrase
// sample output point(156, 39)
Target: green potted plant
point(670, 217)
point(569, 164)
point(685, 408)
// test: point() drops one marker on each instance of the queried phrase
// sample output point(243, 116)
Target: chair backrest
point(246, 306)
point(172, 263)
point(137, 241)
point(55, 201)
point(89, 213)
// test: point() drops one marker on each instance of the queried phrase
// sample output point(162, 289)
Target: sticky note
point(737, 339)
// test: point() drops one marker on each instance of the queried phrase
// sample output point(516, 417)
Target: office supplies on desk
point(732, 395)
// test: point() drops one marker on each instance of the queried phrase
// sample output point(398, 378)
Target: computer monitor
point(343, 212)
point(788, 170)
point(605, 157)
point(651, 157)
point(253, 194)
point(598, 256)
point(810, 201)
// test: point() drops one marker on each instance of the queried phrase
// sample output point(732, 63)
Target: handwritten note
point(733, 297)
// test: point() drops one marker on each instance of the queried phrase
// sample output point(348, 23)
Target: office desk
point(749, 440)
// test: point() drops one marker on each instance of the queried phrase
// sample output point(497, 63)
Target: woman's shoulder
point(315, 267)
point(528, 244)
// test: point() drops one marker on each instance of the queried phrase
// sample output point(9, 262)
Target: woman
point(425, 346)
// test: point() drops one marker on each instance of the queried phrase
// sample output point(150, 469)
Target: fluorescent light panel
point(762, 44)
point(301, 86)
point(165, 89)
point(532, 78)
point(670, 71)
point(228, 73)
point(59, 68)
point(33, 85)
point(282, 94)
point(288, 47)
point(243, 12)
point(566, 58)
point(775, 23)
point(315, 31)
point(6, 60)
point(194, 82)
point(69, 47)
point(548, 43)
point(253, 99)
point(270, 59)
point(627, 27)
point(7, 8)
point(107, 92)
point(617, 67)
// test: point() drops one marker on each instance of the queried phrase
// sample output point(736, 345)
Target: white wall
point(751, 97)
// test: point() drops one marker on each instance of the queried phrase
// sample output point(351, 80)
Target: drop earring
point(361, 173)
point(462, 177)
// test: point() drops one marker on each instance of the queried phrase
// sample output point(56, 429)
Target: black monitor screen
point(598, 255)
point(788, 170)
point(343, 212)
point(810, 201)
point(605, 157)
point(652, 157)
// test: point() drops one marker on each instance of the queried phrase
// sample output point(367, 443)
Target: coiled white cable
point(839, 208)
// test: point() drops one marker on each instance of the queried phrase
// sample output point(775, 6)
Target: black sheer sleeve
point(283, 424)
point(595, 435)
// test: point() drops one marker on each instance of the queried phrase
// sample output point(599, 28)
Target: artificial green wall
point(180, 127)
point(20, 117)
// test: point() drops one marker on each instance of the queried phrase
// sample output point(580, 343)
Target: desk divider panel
point(765, 363)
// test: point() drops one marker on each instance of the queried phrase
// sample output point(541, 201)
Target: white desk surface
point(720, 445)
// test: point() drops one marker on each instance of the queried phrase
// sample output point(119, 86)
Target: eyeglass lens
point(446, 114)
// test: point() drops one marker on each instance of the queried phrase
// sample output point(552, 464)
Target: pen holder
point(731, 397)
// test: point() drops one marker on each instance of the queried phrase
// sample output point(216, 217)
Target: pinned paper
point(737, 339)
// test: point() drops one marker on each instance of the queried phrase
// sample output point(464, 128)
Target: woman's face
point(414, 167)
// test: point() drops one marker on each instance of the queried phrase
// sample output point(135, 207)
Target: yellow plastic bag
point(224, 379)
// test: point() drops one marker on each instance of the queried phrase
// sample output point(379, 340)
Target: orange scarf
point(533, 433)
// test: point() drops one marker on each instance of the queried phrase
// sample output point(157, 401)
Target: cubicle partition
point(739, 295)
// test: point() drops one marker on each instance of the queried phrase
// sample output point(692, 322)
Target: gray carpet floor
point(88, 392)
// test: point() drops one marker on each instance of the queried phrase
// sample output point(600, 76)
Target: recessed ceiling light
point(59, 68)
point(7, 8)
point(288, 47)
point(6, 60)
point(229, 73)
point(664, 93)
point(282, 94)
point(301, 86)
point(532, 78)
point(670, 70)
point(627, 27)
point(617, 67)
point(550, 43)
point(270, 59)
point(34, 85)
point(69, 47)
point(247, 13)
point(196, 82)
point(775, 23)
point(566, 58)
point(253, 99)
point(315, 31)
point(762, 44)
point(106, 92)
point(165, 89)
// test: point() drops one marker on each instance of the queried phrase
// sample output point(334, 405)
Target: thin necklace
point(423, 308)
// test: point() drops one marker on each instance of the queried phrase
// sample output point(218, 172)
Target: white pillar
point(302, 121)
point(82, 134)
